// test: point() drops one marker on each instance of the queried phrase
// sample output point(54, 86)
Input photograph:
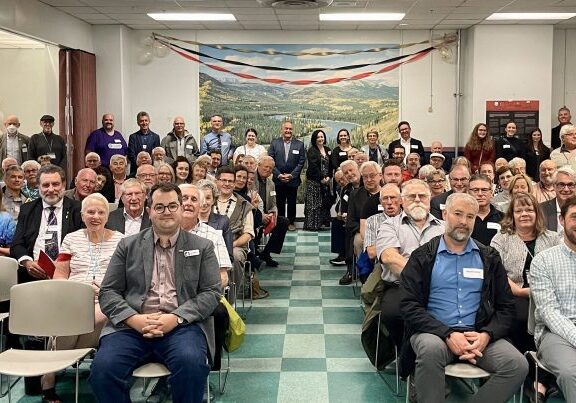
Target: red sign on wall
point(524, 113)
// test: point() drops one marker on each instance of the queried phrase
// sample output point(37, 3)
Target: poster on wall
point(525, 113)
point(354, 105)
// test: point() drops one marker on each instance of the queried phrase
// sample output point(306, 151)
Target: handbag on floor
point(236, 328)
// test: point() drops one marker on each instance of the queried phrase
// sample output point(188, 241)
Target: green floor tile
point(359, 387)
point(261, 346)
point(277, 292)
point(273, 274)
point(303, 364)
point(343, 346)
point(305, 302)
point(305, 283)
point(261, 315)
point(249, 387)
point(331, 274)
point(338, 291)
point(343, 315)
point(299, 266)
point(305, 329)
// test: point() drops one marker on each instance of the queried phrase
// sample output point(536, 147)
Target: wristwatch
point(179, 320)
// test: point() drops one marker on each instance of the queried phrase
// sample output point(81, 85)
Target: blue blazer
point(295, 163)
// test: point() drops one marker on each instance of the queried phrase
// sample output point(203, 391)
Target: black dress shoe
point(346, 279)
point(268, 260)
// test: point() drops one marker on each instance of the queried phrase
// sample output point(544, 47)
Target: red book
point(271, 224)
point(46, 263)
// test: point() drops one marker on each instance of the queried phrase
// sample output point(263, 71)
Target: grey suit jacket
point(117, 222)
point(550, 214)
point(22, 146)
point(129, 276)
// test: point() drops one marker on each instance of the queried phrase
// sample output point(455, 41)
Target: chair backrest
point(52, 308)
point(531, 316)
point(8, 276)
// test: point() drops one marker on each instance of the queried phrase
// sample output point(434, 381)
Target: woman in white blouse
point(251, 147)
point(84, 257)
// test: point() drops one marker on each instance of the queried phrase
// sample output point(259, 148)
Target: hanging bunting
point(406, 59)
point(446, 39)
point(294, 70)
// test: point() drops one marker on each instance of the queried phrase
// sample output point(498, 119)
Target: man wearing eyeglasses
point(488, 217)
point(397, 238)
point(132, 218)
point(566, 153)
point(459, 178)
point(147, 174)
point(159, 291)
point(565, 188)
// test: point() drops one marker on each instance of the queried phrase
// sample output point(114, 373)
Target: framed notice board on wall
point(524, 113)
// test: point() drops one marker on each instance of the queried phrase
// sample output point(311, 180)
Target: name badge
point(47, 237)
point(469, 272)
point(224, 144)
point(493, 225)
point(52, 228)
point(329, 152)
point(189, 146)
point(114, 146)
point(343, 153)
point(442, 206)
point(345, 198)
point(193, 252)
point(506, 146)
point(295, 151)
point(144, 146)
point(24, 149)
point(52, 156)
point(380, 207)
point(272, 193)
point(414, 146)
point(117, 141)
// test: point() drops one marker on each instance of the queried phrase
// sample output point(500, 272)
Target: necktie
point(51, 245)
point(286, 150)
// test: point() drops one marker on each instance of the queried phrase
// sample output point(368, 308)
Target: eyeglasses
point(161, 208)
point(479, 190)
point(413, 196)
point(435, 182)
point(459, 179)
point(561, 185)
point(388, 198)
point(146, 175)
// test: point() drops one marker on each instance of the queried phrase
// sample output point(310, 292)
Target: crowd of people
point(162, 228)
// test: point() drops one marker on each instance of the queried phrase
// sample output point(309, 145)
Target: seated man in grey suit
point(131, 218)
point(565, 186)
point(159, 292)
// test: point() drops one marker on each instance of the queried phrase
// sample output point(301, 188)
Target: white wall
point(508, 63)
point(29, 85)
point(563, 78)
point(168, 87)
point(37, 20)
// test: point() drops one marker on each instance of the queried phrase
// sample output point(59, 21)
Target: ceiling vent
point(296, 4)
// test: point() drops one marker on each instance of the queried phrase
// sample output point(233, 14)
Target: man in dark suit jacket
point(415, 145)
point(289, 157)
point(132, 210)
point(159, 292)
point(563, 119)
point(565, 188)
point(34, 229)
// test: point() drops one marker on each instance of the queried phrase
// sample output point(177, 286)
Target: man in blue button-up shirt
point(458, 306)
point(217, 139)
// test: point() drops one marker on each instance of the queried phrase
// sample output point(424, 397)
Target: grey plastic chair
point(8, 278)
point(48, 308)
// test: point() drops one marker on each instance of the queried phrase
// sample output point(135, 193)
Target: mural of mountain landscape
point(356, 105)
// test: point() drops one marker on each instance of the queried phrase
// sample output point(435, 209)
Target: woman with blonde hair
point(522, 236)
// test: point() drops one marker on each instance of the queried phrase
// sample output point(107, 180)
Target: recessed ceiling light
point(531, 16)
point(191, 17)
point(362, 17)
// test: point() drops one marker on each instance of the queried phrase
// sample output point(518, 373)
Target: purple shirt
point(106, 146)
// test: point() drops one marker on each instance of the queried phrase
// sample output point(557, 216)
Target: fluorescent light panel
point(362, 17)
point(530, 16)
point(192, 17)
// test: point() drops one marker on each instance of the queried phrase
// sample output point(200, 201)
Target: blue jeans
point(183, 351)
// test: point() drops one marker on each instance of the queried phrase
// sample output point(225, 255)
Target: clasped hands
point(468, 345)
point(153, 325)
point(285, 178)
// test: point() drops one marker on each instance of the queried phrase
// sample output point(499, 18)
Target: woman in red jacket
point(480, 147)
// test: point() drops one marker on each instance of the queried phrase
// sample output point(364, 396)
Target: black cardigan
point(496, 313)
point(314, 171)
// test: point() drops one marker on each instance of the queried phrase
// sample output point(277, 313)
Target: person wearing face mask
point(14, 144)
